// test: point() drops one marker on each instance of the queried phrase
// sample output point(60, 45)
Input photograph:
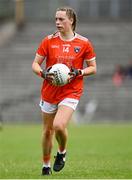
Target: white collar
point(68, 39)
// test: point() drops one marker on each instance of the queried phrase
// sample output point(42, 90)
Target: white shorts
point(52, 108)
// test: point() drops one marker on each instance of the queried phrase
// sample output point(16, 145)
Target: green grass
point(94, 151)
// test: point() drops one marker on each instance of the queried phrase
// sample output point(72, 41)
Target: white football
point(61, 74)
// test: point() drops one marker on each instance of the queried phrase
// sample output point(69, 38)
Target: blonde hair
point(71, 14)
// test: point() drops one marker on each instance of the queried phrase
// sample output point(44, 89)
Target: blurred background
point(107, 96)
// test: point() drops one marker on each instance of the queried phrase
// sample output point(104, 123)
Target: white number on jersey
point(66, 49)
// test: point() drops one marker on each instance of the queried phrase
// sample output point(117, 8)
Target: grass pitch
point(94, 151)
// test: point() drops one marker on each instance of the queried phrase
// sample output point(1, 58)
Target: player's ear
point(71, 20)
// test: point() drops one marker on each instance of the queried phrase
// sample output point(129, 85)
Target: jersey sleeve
point(89, 53)
point(43, 48)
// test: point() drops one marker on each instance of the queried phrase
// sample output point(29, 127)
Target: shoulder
point(85, 41)
point(54, 35)
point(50, 36)
point(81, 38)
point(47, 39)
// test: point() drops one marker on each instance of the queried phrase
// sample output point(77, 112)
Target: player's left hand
point(74, 73)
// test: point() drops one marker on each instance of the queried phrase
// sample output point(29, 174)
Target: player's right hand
point(47, 75)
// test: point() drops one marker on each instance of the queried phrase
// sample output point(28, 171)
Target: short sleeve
point(43, 48)
point(89, 53)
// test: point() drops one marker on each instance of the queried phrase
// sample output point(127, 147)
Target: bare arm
point(90, 69)
point(36, 66)
point(44, 73)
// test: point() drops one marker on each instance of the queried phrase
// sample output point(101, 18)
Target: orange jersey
point(70, 52)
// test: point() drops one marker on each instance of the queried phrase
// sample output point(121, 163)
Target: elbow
point(33, 66)
point(95, 71)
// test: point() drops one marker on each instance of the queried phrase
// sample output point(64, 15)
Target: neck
point(67, 35)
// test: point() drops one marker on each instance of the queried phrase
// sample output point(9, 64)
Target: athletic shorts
point(52, 108)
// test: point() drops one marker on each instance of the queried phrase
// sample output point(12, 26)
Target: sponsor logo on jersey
point(54, 46)
point(66, 45)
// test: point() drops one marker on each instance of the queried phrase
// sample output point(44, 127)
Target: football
point(61, 74)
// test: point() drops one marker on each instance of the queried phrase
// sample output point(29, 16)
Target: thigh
point(48, 114)
point(63, 115)
point(70, 102)
point(47, 107)
point(48, 119)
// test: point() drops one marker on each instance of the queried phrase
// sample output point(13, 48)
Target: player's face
point(63, 23)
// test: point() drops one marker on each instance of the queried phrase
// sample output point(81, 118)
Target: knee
point(58, 126)
point(47, 133)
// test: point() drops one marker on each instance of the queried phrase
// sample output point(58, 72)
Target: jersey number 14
point(66, 49)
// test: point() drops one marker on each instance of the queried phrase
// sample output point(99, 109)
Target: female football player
point(58, 103)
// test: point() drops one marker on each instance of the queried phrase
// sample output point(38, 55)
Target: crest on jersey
point(76, 49)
